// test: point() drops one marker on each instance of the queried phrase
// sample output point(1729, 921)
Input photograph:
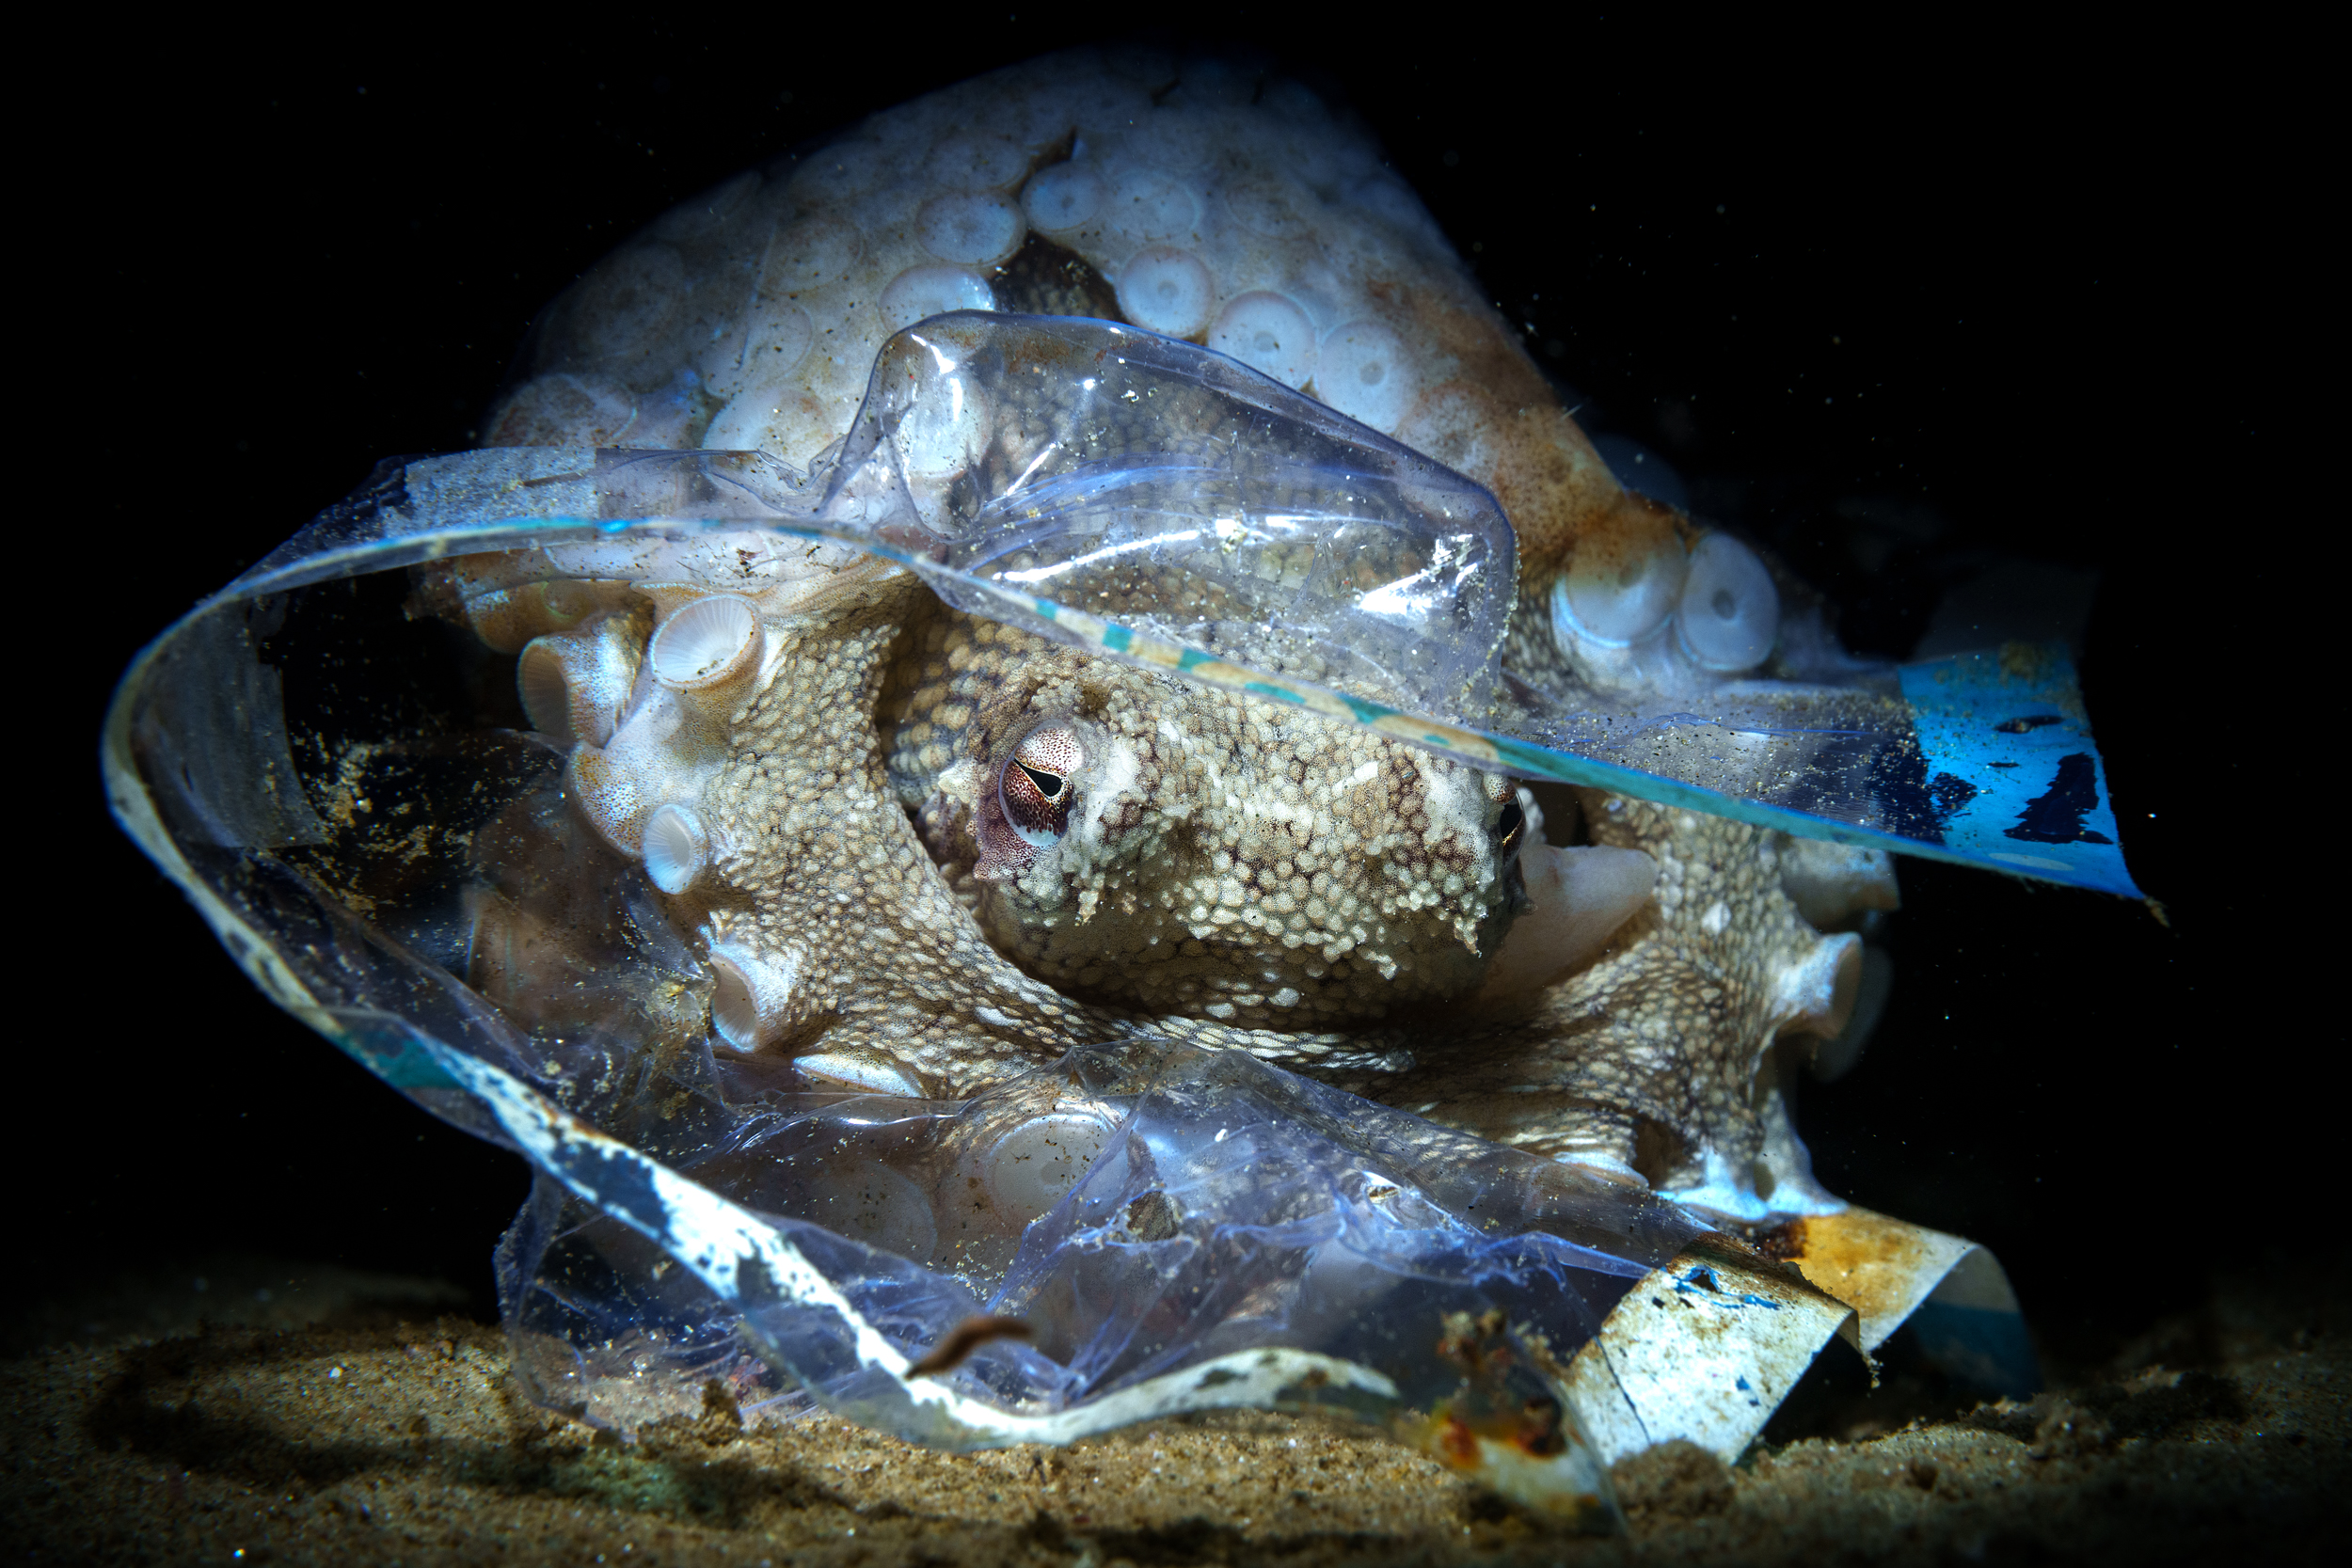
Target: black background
point(2022, 284)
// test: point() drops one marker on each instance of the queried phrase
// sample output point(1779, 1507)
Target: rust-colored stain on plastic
point(1866, 1260)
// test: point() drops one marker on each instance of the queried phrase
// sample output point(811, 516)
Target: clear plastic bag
point(1146, 1227)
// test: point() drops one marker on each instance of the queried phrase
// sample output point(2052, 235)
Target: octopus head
point(1142, 842)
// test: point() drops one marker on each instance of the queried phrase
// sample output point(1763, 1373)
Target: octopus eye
point(1036, 787)
point(1510, 833)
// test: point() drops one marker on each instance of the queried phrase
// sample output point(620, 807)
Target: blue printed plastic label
point(2010, 762)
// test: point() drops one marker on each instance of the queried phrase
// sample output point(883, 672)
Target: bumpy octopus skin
point(923, 852)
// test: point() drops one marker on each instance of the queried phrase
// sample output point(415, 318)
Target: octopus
point(921, 852)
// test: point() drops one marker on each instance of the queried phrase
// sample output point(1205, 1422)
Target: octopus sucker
point(836, 898)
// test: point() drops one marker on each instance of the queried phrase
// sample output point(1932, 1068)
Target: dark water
point(1912, 335)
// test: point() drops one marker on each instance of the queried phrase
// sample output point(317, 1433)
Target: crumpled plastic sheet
point(1199, 1207)
point(1157, 502)
point(1145, 1228)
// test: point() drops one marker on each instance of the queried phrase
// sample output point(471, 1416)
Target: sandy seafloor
point(2058, 365)
point(296, 1415)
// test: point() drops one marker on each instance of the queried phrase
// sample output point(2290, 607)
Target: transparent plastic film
point(1131, 1233)
point(1137, 487)
point(1159, 503)
point(367, 762)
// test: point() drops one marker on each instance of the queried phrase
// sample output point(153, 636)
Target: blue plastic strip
point(2011, 768)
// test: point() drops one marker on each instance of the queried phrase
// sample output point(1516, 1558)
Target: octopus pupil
point(1509, 827)
point(1048, 784)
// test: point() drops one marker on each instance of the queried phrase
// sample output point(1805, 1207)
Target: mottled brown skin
point(1660, 1050)
point(830, 874)
point(1227, 858)
point(849, 796)
point(1212, 875)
